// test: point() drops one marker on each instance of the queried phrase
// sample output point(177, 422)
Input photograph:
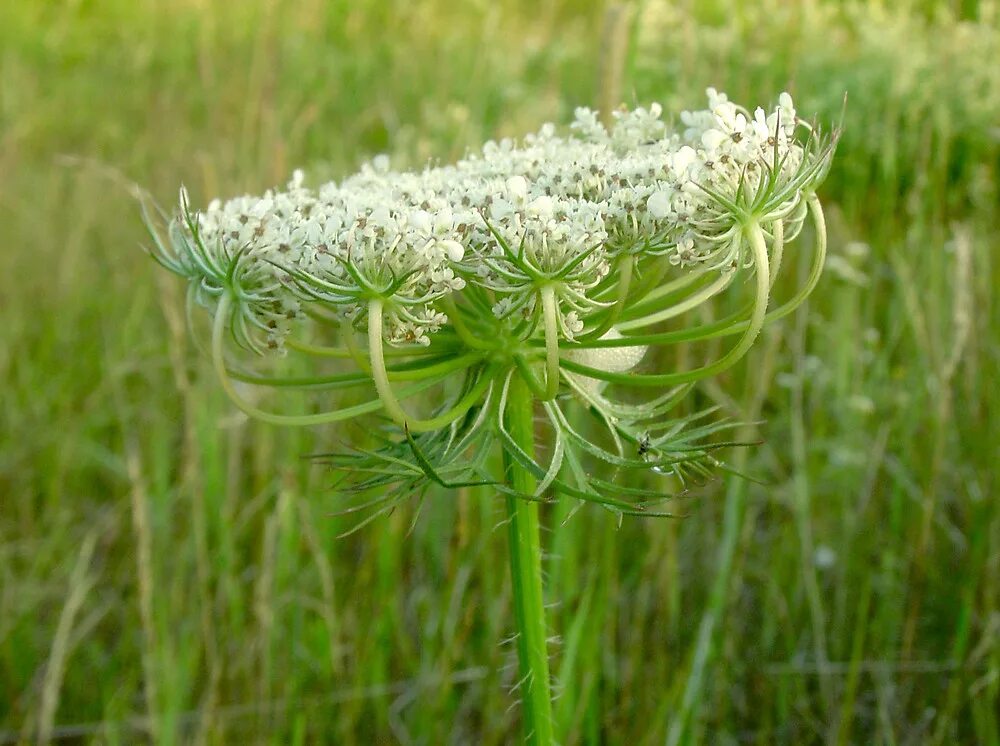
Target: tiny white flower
point(422, 221)
point(541, 206)
point(501, 209)
point(715, 99)
point(517, 189)
point(658, 204)
point(759, 124)
point(787, 108)
point(713, 139)
point(454, 249)
point(683, 158)
point(573, 323)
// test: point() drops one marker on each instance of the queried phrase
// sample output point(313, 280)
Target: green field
point(173, 573)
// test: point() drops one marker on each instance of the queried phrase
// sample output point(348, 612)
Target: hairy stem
point(526, 573)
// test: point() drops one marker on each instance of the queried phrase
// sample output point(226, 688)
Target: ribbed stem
point(526, 573)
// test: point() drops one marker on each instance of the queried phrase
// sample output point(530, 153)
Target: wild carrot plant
point(479, 304)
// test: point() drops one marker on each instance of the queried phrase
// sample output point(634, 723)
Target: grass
point(172, 572)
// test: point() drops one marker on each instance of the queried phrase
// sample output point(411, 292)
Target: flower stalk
point(550, 314)
point(526, 573)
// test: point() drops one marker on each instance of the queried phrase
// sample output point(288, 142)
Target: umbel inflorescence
point(557, 260)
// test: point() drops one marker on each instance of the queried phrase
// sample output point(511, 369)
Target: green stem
point(526, 573)
point(352, 345)
point(318, 350)
point(758, 250)
point(524, 368)
point(692, 301)
point(731, 324)
point(650, 299)
point(778, 249)
point(461, 328)
point(625, 266)
point(550, 313)
point(344, 353)
point(338, 415)
point(390, 402)
point(413, 371)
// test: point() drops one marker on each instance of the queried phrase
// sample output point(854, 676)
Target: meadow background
point(172, 573)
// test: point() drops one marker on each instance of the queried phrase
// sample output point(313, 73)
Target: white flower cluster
point(553, 209)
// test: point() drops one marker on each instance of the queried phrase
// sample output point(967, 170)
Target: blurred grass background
point(170, 572)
